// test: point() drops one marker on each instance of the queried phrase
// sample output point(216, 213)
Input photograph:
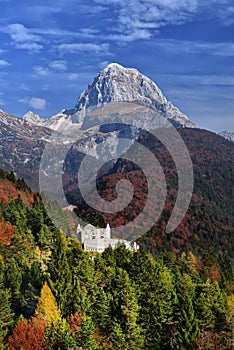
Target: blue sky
point(50, 51)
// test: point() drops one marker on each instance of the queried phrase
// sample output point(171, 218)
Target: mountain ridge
point(114, 83)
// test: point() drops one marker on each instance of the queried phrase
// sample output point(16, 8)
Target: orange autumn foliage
point(8, 191)
point(214, 273)
point(28, 335)
point(74, 322)
point(6, 232)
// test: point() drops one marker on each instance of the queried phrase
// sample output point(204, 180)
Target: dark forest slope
point(209, 222)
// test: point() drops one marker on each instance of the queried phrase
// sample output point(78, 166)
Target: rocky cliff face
point(118, 84)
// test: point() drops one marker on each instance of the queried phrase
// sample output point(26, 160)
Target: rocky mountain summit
point(119, 84)
point(116, 95)
point(114, 83)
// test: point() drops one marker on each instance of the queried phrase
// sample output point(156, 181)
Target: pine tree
point(209, 302)
point(186, 323)
point(125, 309)
point(109, 256)
point(58, 335)
point(59, 272)
point(157, 298)
point(6, 314)
point(101, 311)
point(13, 279)
point(44, 240)
point(117, 338)
point(30, 288)
point(46, 306)
point(187, 330)
point(86, 334)
point(83, 288)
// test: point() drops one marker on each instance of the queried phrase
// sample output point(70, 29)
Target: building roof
point(89, 227)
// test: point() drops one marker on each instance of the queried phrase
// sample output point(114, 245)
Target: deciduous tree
point(46, 306)
point(28, 335)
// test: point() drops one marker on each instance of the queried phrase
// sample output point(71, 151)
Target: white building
point(98, 239)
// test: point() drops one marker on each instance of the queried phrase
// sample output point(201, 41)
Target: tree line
point(53, 295)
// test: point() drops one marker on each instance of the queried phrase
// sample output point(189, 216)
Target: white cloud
point(4, 63)
point(226, 14)
point(84, 33)
point(30, 46)
point(20, 34)
point(101, 49)
point(41, 71)
point(53, 66)
point(22, 38)
point(196, 47)
point(223, 10)
point(38, 103)
point(59, 65)
point(34, 102)
point(217, 80)
point(198, 80)
point(136, 34)
point(136, 19)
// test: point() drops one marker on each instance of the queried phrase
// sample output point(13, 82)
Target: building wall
point(98, 239)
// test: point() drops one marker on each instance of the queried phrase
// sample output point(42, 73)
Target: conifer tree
point(86, 334)
point(187, 330)
point(117, 338)
point(6, 315)
point(59, 271)
point(186, 323)
point(209, 302)
point(125, 309)
point(58, 335)
point(101, 311)
point(13, 279)
point(44, 240)
point(83, 288)
point(109, 256)
point(157, 298)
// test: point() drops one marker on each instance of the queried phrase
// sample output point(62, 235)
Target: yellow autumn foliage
point(230, 305)
point(47, 307)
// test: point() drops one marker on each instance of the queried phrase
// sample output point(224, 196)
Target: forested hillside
point(53, 295)
point(208, 223)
